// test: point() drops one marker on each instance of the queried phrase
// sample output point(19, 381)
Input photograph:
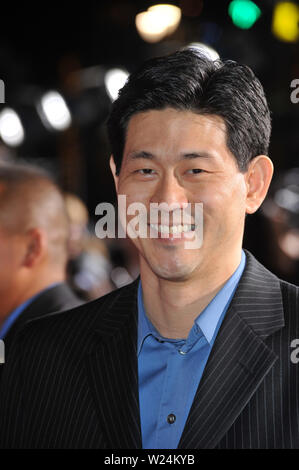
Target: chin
point(173, 273)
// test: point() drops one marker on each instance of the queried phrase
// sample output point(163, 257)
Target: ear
point(36, 247)
point(258, 179)
point(113, 170)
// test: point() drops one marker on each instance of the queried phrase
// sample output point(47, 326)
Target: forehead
point(173, 131)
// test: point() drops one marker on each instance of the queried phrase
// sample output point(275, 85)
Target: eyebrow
point(183, 156)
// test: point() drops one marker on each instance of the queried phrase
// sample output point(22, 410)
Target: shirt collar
point(144, 327)
point(209, 318)
point(208, 321)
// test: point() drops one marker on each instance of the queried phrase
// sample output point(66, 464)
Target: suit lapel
point(239, 360)
point(113, 372)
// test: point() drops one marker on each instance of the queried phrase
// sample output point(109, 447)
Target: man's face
point(181, 157)
point(11, 248)
point(12, 253)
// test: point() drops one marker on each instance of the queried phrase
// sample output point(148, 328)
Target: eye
point(195, 171)
point(145, 171)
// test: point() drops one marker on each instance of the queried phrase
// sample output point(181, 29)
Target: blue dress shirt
point(14, 315)
point(169, 370)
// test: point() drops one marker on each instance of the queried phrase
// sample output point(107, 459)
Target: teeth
point(173, 229)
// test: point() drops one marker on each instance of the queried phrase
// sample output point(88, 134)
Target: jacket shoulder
point(290, 294)
point(87, 308)
point(82, 319)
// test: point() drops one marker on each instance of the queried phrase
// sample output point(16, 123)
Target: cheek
point(133, 207)
point(223, 199)
point(135, 193)
point(6, 254)
point(8, 266)
point(214, 200)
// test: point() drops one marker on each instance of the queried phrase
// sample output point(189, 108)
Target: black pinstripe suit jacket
point(72, 382)
point(55, 299)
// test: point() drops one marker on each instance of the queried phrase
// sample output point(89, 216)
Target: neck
point(173, 306)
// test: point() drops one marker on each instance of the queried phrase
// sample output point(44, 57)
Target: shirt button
point(171, 418)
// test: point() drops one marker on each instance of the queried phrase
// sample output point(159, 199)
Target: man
point(197, 352)
point(33, 249)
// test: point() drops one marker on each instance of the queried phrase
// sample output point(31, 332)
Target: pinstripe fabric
point(71, 380)
point(55, 299)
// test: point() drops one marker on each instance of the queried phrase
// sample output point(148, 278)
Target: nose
point(170, 191)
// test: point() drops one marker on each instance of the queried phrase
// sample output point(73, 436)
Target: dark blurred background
point(55, 62)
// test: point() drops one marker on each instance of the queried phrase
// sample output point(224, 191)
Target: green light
point(243, 13)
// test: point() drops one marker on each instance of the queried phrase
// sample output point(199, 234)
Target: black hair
point(188, 80)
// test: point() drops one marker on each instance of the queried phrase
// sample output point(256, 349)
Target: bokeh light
point(158, 22)
point(54, 112)
point(244, 13)
point(285, 23)
point(114, 81)
point(11, 128)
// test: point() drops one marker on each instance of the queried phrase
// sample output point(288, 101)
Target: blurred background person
point(34, 235)
point(96, 266)
point(274, 233)
point(89, 266)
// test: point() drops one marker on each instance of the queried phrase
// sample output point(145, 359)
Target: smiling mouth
point(173, 229)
